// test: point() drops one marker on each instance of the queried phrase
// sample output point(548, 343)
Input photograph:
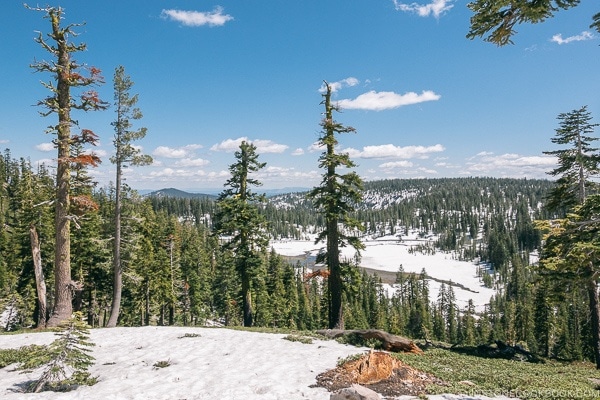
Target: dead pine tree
point(40, 282)
point(66, 74)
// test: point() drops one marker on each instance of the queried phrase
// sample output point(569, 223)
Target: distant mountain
point(286, 190)
point(172, 192)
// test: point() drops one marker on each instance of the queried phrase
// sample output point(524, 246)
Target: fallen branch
point(388, 341)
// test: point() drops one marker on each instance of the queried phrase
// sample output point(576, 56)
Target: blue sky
point(425, 101)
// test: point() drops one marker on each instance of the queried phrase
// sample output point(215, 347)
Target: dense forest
point(177, 272)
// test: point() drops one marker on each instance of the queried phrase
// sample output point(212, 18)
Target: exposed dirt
point(381, 372)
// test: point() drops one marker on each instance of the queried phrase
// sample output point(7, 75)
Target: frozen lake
point(388, 253)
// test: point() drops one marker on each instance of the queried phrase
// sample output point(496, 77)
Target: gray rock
point(355, 392)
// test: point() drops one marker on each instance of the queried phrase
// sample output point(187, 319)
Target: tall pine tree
point(335, 198)
point(125, 154)
point(67, 75)
point(238, 219)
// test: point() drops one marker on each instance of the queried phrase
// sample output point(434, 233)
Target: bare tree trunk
point(117, 269)
point(389, 342)
point(63, 307)
point(40, 282)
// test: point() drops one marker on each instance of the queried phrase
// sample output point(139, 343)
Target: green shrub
point(162, 364)
point(189, 335)
point(299, 338)
point(28, 357)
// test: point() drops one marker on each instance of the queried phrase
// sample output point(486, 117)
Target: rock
point(355, 392)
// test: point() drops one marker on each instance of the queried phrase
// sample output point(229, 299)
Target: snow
point(220, 363)
point(388, 253)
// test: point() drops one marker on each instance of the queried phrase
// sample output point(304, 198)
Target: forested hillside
point(485, 218)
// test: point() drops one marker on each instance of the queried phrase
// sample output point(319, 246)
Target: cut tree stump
point(388, 341)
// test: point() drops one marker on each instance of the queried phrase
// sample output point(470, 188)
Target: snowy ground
point(220, 364)
point(388, 253)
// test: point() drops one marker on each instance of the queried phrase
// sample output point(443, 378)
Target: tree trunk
point(91, 317)
point(62, 255)
point(595, 316)
point(334, 281)
point(63, 307)
point(117, 270)
point(247, 300)
point(40, 282)
point(389, 342)
point(147, 304)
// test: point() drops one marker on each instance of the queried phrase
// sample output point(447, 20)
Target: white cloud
point(435, 8)
point(179, 152)
point(262, 146)
point(268, 146)
point(45, 147)
point(446, 165)
point(219, 174)
point(378, 101)
point(271, 173)
point(177, 173)
point(4, 141)
point(335, 86)
point(392, 151)
point(316, 146)
point(427, 171)
point(229, 145)
point(192, 162)
point(298, 152)
point(198, 18)
point(396, 164)
point(585, 35)
point(510, 165)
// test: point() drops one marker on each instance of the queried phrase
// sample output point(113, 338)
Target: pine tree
point(577, 163)
point(468, 336)
point(570, 256)
point(451, 314)
point(572, 249)
point(238, 218)
point(543, 315)
point(32, 228)
point(61, 102)
point(500, 17)
point(197, 274)
point(438, 315)
point(335, 198)
point(68, 358)
point(125, 154)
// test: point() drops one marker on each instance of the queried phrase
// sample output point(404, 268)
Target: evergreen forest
point(176, 271)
